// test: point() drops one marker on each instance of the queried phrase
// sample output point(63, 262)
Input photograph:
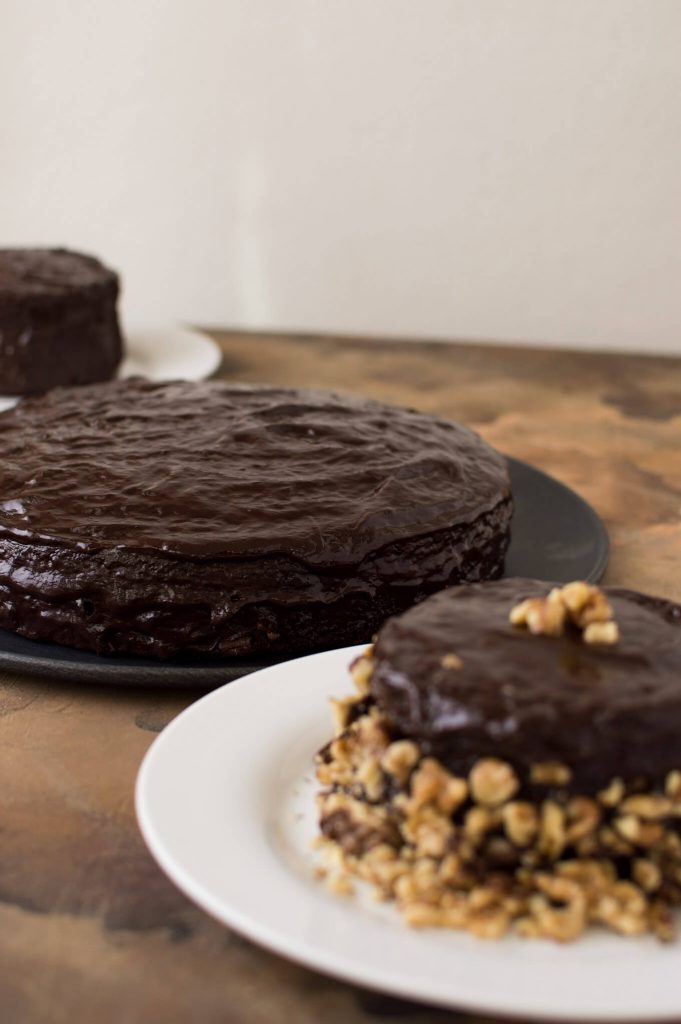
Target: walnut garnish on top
point(578, 603)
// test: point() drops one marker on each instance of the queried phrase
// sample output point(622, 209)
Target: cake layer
point(455, 675)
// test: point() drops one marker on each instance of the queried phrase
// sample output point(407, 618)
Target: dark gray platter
point(555, 536)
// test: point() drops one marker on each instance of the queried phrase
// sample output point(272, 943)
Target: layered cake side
point(512, 759)
point(58, 320)
point(214, 519)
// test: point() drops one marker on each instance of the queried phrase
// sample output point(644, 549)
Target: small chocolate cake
point(513, 757)
point(216, 519)
point(58, 322)
point(604, 709)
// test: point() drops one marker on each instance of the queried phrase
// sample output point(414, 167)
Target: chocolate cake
point(58, 322)
point(216, 519)
point(513, 757)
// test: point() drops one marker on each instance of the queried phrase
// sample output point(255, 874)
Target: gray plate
point(555, 536)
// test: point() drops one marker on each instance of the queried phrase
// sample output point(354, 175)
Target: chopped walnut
point(586, 603)
point(426, 782)
point(562, 923)
point(646, 874)
point(430, 834)
point(661, 922)
point(477, 823)
point(673, 786)
point(371, 778)
point(623, 906)
point(361, 671)
point(521, 822)
point(432, 783)
point(452, 795)
point(641, 833)
point(422, 915)
point(552, 835)
point(601, 633)
point(540, 615)
point(647, 805)
point(550, 773)
point(340, 885)
point(583, 818)
point(341, 711)
point(612, 794)
point(399, 759)
point(576, 596)
point(585, 606)
point(491, 923)
point(614, 842)
point(593, 875)
point(492, 782)
point(371, 735)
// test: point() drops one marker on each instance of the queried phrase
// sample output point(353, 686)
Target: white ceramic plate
point(225, 801)
point(169, 353)
point(161, 353)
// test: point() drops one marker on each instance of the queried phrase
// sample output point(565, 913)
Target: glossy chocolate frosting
point(213, 469)
point(58, 321)
point(605, 711)
point(219, 518)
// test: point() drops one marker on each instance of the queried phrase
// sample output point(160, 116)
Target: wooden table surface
point(90, 930)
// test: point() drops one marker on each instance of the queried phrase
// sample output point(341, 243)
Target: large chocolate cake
point(58, 321)
point(215, 519)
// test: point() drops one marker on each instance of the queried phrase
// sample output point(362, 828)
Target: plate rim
point(308, 953)
point(186, 332)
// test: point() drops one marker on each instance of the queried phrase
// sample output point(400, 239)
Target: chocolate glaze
point(606, 711)
point(216, 518)
point(58, 322)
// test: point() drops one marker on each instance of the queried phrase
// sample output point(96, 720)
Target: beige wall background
point(491, 169)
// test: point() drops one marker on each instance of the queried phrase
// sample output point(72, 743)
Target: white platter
point(161, 353)
point(225, 801)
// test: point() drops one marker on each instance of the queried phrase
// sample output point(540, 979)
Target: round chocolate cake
point(512, 760)
point(215, 519)
point(605, 709)
point(58, 321)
